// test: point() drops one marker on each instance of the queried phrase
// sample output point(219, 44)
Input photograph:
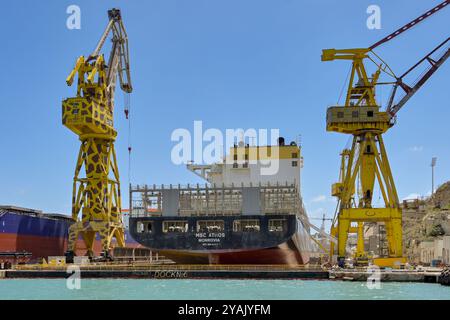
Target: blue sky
point(229, 63)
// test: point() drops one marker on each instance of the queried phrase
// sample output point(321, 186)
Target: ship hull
point(284, 254)
point(42, 236)
point(289, 247)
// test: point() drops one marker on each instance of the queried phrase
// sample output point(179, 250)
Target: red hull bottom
point(39, 247)
point(43, 247)
point(284, 254)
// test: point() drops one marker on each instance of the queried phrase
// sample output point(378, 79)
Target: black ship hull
point(189, 243)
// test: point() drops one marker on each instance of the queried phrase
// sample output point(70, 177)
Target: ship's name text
point(210, 235)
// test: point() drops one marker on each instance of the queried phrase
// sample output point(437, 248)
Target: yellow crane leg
point(368, 161)
point(97, 196)
point(394, 237)
point(343, 230)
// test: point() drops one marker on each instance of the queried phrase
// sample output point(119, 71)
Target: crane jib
point(434, 65)
point(411, 24)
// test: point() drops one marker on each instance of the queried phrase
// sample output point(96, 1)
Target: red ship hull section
point(43, 247)
point(284, 254)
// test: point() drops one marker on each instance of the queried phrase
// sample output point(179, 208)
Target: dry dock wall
point(172, 274)
point(348, 275)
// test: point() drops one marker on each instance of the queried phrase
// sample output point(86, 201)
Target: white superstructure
point(255, 165)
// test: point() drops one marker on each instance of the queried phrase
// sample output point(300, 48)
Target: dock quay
point(430, 275)
point(170, 272)
point(152, 271)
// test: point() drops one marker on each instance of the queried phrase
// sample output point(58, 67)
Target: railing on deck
point(210, 200)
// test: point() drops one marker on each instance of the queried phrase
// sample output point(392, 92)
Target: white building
point(426, 251)
point(439, 249)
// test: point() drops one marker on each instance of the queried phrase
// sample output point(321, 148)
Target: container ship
point(249, 211)
point(39, 235)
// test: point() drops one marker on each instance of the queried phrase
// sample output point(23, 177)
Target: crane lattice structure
point(96, 199)
point(367, 160)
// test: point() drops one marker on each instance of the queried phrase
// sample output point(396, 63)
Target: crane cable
point(128, 117)
point(344, 85)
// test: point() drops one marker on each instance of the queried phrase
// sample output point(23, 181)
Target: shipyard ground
point(141, 271)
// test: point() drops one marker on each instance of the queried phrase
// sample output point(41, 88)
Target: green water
point(215, 289)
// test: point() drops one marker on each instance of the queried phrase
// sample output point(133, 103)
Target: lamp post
point(433, 164)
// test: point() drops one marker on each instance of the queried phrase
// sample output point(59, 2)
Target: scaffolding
point(213, 200)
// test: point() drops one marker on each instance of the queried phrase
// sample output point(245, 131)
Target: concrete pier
point(149, 271)
point(175, 273)
point(430, 276)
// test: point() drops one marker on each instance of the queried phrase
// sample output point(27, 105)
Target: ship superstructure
point(253, 165)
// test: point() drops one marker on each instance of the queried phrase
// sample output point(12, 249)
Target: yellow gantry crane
point(366, 160)
point(96, 199)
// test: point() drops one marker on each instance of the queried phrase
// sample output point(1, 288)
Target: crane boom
point(349, 54)
point(119, 62)
point(410, 24)
point(434, 64)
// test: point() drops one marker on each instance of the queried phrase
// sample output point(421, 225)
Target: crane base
point(389, 262)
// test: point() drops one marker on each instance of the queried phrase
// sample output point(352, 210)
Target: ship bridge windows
point(249, 225)
point(174, 226)
point(144, 226)
point(277, 225)
point(210, 225)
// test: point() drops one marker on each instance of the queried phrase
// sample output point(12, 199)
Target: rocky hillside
point(442, 196)
point(426, 220)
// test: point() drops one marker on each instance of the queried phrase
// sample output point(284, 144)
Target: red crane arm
point(411, 24)
point(435, 63)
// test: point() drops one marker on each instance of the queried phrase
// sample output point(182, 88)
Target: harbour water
point(151, 289)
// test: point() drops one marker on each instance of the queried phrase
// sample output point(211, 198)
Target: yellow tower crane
point(96, 199)
point(366, 160)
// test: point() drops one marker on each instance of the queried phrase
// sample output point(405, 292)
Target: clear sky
point(231, 64)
